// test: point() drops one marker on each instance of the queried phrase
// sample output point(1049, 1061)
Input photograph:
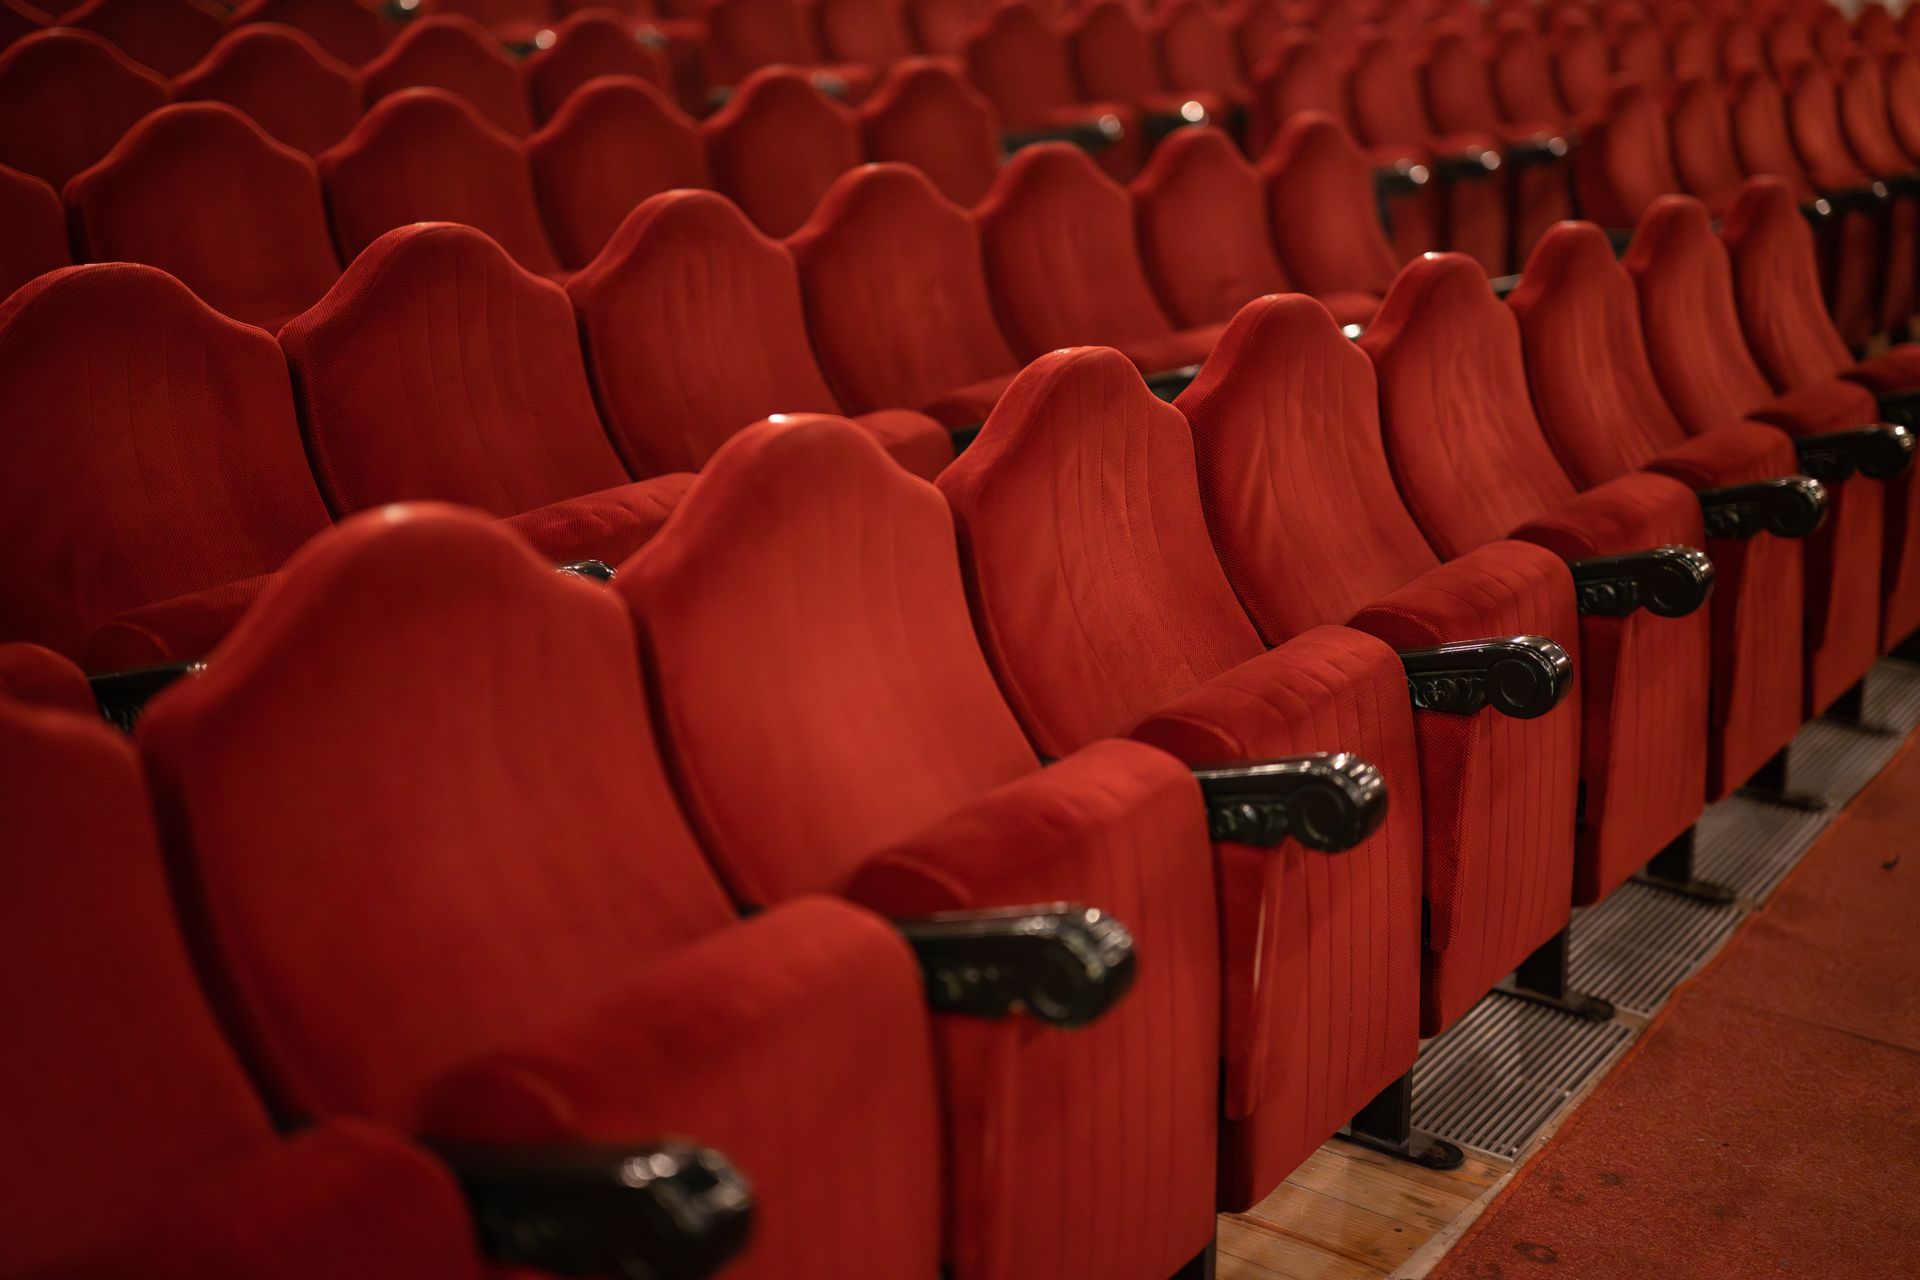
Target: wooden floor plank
point(1249, 1251)
point(1424, 1205)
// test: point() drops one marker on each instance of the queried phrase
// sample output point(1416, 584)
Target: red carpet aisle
point(1768, 1124)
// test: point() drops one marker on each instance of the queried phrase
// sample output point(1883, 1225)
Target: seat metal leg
point(1850, 709)
point(1386, 1125)
point(1671, 870)
point(1768, 785)
point(1542, 979)
point(1908, 650)
point(1202, 1267)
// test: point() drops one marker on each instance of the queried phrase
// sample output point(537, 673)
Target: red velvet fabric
point(548, 957)
point(347, 29)
point(1704, 157)
point(1115, 60)
point(1314, 173)
point(1196, 50)
point(18, 20)
point(1868, 132)
point(1293, 76)
point(1470, 458)
point(451, 52)
point(425, 155)
point(298, 93)
point(1025, 69)
point(1201, 219)
point(1622, 163)
point(694, 328)
point(36, 239)
point(588, 45)
point(180, 628)
point(167, 35)
point(36, 676)
point(1582, 69)
point(745, 35)
point(778, 145)
point(1871, 248)
point(856, 573)
point(615, 142)
point(1287, 441)
point(863, 31)
point(1521, 70)
point(924, 114)
point(65, 99)
point(156, 451)
point(896, 298)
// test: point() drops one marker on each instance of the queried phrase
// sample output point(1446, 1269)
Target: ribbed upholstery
point(36, 239)
point(1601, 409)
point(694, 328)
point(1903, 101)
point(451, 52)
point(1201, 218)
point(424, 155)
point(145, 1151)
point(534, 965)
point(1081, 1156)
point(745, 35)
point(1294, 76)
point(180, 628)
point(1623, 163)
point(778, 145)
point(1196, 50)
point(39, 677)
point(347, 29)
point(1302, 510)
point(1701, 133)
point(294, 90)
point(1065, 269)
point(1470, 457)
point(590, 44)
point(1314, 173)
point(1522, 74)
point(924, 114)
point(611, 145)
point(199, 191)
point(896, 298)
point(155, 451)
point(1761, 135)
point(1869, 265)
point(1025, 69)
point(868, 31)
point(166, 35)
point(65, 99)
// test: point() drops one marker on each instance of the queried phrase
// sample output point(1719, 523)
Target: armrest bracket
point(1519, 676)
point(1401, 178)
point(1787, 507)
point(1327, 801)
point(1475, 164)
point(593, 570)
point(123, 695)
point(1880, 451)
point(1668, 581)
point(1063, 963)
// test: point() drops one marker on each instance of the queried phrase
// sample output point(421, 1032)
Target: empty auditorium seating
point(348, 29)
point(451, 52)
point(1196, 51)
point(291, 88)
point(1582, 68)
point(1115, 60)
point(694, 328)
point(1623, 162)
point(797, 658)
point(1704, 158)
point(425, 155)
point(488, 764)
point(167, 35)
point(924, 114)
point(745, 35)
point(1295, 75)
point(1202, 224)
point(1521, 69)
point(1470, 458)
point(863, 32)
point(1315, 178)
point(1023, 67)
point(778, 144)
point(198, 190)
point(36, 230)
point(589, 44)
point(511, 22)
point(65, 98)
point(612, 144)
point(437, 368)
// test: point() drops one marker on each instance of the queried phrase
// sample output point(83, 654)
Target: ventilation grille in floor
point(1500, 1075)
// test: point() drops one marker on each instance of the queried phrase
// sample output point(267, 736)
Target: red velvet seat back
point(38, 677)
point(1704, 157)
point(694, 329)
point(1315, 175)
point(450, 52)
point(1022, 65)
point(1761, 134)
point(613, 144)
point(1903, 102)
point(1833, 38)
point(293, 89)
point(778, 145)
point(941, 27)
point(873, 32)
point(1383, 94)
point(1458, 92)
point(1095, 591)
point(199, 191)
point(745, 35)
point(424, 155)
point(1789, 45)
point(65, 98)
point(588, 45)
point(1776, 280)
point(499, 16)
point(1258, 26)
point(36, 238)
point(167, 35)
point(1813, 118)
point(1866, 121)
point(1196, 48)
point(1623, 163)
point(1741, 51)
point(924, 114)
point(487, 764)
point(1113, 56)
point(1465, 445)
point(1293, 475)
point(437, 368)
point(1582, 69)
point(1876, 31)
point(801, 634)
point(1522, 74)
point(1201, 211)
point(1693, 48)
point(1640, 55)
point(1594, 389)
point(347, 29)
point(115, 496)
point(1060, 253)
point(896, 295)
point(1295, 77)
point(18, 19)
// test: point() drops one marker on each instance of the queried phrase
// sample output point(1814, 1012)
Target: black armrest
point(597, 570)
point(1787, 507)
point(1866, 199)
point(1818, 211)
point(1088, 135)
point(666, 1212)
point(1190, 113)
point(1541, 148)
point(123, 695)
point(1520, 676)
point(1063, 963)
point(1169, 383)
point(1669, 581)
point(1879, 452)
point(1330, 802)
point(1475, 164)
point(1904, 184)
point(1401, 177)
point(1901, 408)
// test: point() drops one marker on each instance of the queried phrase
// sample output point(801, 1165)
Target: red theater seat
point(39, 677)
point(453, 53)
point(1474, 467)
point(425, 155)
point(296, 92)
point(778, 145)
point(694, 328)
point(1315, 177)
point(198, 190)
point(1115, 60)
point(613, 144)
point(439, 369)
point(745, 35)
point(18, 19)
point(924, 114)
point(1201, 215)
point(1025, 69)
point(863, 32)
point(514, 22)
point(590, 44)
point(65, 98)
point(166, 35)
point(1521, 69)
point(868, 751)
point(1582, 69)
point(487, 762)
point(36, 237)
point(1196, 50)
point(1295, 76)
point(897, 301)
point(1701, 132)
point(348, 29)
point(1623, 162)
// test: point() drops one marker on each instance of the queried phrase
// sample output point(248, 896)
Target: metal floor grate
point(1500, 1075)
